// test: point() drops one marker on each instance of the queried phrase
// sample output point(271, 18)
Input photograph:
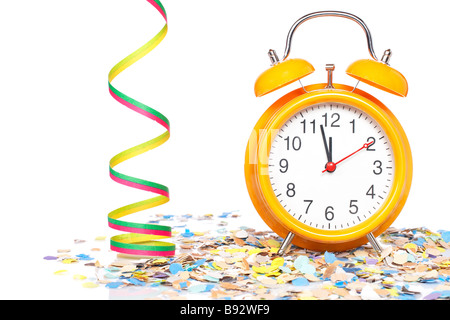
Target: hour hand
point(327, 146)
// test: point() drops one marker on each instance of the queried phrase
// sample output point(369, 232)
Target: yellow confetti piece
point(393, 292)
point(198, 233)
point(253, 251)
point(277, 262)
point(273, 243)
point(411, 246)
point(90, 285)
point(328, 286)
point(79, 277)
point(273, 250)
point(100, 238)
point(157, 261)
point(373, 270)
point(264, 269)
point(388, 282)
point(216, 266)
point(235, 250)
point(60, 272)
point(69, 261)
point(275, 274)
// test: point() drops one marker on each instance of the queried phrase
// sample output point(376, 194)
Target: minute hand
point(365, 146)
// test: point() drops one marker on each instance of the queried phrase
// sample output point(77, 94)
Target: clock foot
point(286, 243)
point(373, 241)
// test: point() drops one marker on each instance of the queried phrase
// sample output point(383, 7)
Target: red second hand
point(333, 164)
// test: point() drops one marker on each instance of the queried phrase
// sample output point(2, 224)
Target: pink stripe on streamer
point(139, 186)
point(139, 110)
point(144, 252)
point(158, 8)
point(140, 230)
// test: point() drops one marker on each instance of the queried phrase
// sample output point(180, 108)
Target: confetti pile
point(242, 263)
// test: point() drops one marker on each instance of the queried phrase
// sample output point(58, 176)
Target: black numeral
point(296, 143)
point(284, 165)
point(353, 207)
point(307, 207)
point(371, 140)
point(313, 126)
point(329, 214)
point(353, 125)
point(377, 164)
point(371, 192)
point(290, 192)
point(333, 124)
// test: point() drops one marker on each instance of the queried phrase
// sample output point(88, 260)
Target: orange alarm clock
point(328, 166)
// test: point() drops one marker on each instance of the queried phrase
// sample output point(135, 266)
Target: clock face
point(331, 166)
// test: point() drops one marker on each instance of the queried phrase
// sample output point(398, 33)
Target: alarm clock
point(328, 167)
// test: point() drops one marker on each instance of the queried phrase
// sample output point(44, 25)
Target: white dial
point(331, 166)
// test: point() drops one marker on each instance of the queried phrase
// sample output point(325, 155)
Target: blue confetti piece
point(111, 275)
point(224, 214)
point(299, 282)
point(341, 284)
point(197, 288)
point(351, 270)
point(388, 272)
point(307, 269)
point(445, 294)
point(200, 288)
point(285, 269)
point(428, 280)
point(329, 257)
point(114, 285)
point(301, 261)
point(209, 278)
point(446, 236)
point(419, 242)
point(198, 263)
point(209, 287)
point(175, 268)
point(187, 233)
point(136, 282)
point(82, 256)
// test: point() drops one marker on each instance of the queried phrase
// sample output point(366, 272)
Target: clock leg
point(373, 241)
point(286, 243)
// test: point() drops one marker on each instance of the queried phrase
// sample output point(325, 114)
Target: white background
point(60, 127)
